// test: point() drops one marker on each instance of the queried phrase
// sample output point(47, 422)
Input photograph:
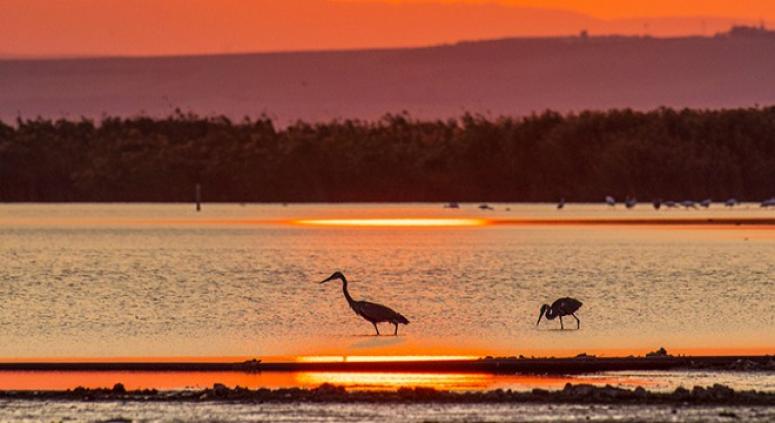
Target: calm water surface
point(140, 281)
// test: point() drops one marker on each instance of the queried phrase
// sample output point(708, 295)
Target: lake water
point(148, 281)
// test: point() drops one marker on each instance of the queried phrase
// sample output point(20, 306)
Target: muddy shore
point(494, 365)
point(571, 394)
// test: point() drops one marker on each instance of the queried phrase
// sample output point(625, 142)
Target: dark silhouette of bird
point(374, 313)
point(562, 307)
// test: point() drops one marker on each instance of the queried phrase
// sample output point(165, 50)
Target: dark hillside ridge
point(497, 77)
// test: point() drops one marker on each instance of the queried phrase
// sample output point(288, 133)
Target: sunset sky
point(40, 28)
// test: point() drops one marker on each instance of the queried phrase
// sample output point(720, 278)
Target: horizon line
point(21, 57)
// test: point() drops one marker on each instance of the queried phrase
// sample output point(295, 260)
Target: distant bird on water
point(563, 307)
point(374, 313)
point(561, 204)
point(610, 200)
point(670, 204)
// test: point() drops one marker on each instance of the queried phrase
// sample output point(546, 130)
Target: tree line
point(664, 153)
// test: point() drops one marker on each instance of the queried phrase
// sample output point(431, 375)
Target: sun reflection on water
point(379, 358)
point(389, 381)
point(396, 222)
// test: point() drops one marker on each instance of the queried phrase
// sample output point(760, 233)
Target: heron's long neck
point(346, 293)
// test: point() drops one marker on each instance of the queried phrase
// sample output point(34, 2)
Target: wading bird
point(374, 313)
point(561, 204)
point(610, 200)
point(562, 307)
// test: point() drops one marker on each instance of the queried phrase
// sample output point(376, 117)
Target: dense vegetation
point(686, 154)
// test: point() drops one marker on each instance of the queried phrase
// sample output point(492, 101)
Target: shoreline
point(327, 393)
point(492, 365)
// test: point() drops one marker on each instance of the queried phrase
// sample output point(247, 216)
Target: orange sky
point(615, 9)
point(158, 27)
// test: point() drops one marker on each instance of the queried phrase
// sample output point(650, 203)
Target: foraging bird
point(689, 204)
point(657, 203)
point(562, 307)
point(374, 313)
point(561, 204)
point(610, 200)
point(630, 202)
point(731, 202)
point(670, 204)
point(706, 203)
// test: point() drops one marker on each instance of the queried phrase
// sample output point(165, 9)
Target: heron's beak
point(540, 315)
point(329, 278)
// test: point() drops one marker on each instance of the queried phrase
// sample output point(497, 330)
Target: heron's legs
point(561, 325)
point(395, 333)
point(375, 328)
point(578, 322)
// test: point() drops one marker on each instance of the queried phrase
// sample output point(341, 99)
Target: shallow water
point(34, 411)
point(656, 381)
point(140, 281)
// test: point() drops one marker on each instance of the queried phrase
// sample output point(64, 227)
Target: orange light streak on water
point(388, 381)
point(398, 222)
point(380, 358)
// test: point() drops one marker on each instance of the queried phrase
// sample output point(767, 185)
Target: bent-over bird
point(562, 307)
point(374, 313)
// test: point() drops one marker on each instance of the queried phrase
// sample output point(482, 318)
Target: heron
point(374, 313)
point(562, 307)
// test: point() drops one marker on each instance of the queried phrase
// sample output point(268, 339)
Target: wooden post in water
point(198, 197)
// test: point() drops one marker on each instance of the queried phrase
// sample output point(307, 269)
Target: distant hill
point(507, 76)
